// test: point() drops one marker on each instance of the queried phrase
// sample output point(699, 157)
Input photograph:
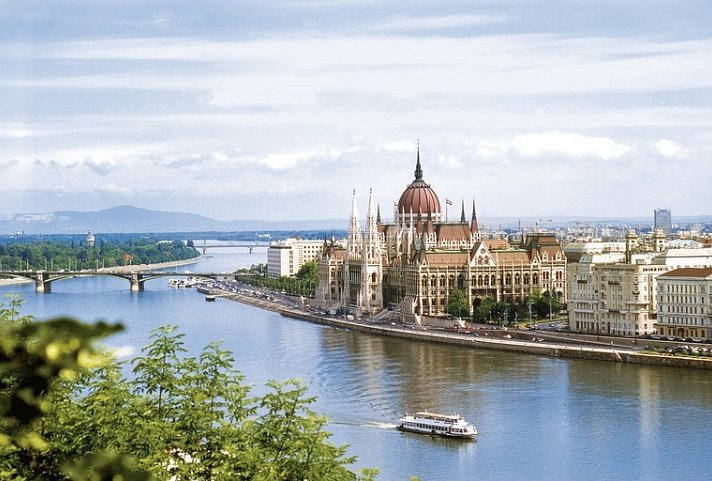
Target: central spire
point(418, 168)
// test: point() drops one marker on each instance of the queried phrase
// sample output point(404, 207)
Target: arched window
point(374, 278)
point(535, 278)
point(517, 279)
point(526, 279)
point(460, 281)
point(508, 279)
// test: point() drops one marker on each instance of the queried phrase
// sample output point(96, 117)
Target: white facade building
point(285, 258)
point(685, 303)
point(615, 293)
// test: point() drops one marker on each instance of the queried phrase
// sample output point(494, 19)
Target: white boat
point(446, 425)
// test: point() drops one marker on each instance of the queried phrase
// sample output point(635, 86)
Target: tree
point(458, 304)
point(545, 304)
point(66, 412)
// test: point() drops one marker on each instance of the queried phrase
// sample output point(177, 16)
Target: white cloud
point(402, 23)
point(400, 146)
point(116, 189)
point(288, 160)
point(16, 133)
point(295, 71)
point(553, 143)
point(567, 144)
point(449, 160)
point(668, 148)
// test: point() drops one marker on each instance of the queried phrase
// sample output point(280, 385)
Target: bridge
point(248, 245)
point(43, 279)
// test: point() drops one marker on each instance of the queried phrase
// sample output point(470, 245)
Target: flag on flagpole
point(448, 201)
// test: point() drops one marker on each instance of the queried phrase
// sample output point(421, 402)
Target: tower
point(663, 221)
point(371, 297)
point(631, 243)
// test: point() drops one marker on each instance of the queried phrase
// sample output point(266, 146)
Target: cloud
point(16, 133)
point(398, 147)
point(9, 164)
point(100, 167)
point(668, 148)
point(554, 143)
point(403, 23)
point(116, 189)
point(449, 160)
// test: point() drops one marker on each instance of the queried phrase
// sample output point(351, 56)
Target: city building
point(414, 263)
point(615, 292)
point(685, 303)
point(285, 258)
point(663, 221)
point(90, 239)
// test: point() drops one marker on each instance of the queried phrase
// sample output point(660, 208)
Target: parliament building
point(413, 263)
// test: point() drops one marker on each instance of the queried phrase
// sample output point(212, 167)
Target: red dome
point(418, 197)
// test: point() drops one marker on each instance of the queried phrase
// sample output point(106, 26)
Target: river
point(539, 418)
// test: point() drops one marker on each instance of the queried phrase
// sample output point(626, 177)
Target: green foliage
point(53, 255)
point(541, 306)
point(458, 304)
point(33, 357)
point(489, 310)
point(303, 284)
point(309, 272)
point(68, 413)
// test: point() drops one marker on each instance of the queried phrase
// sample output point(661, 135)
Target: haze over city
point(277, 110)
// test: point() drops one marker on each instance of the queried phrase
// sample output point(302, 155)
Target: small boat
point(210, 297)
point(450, 426)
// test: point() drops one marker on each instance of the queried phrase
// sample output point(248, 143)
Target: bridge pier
point(136, 283)
point(42, 286)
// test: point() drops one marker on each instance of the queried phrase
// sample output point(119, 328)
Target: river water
point(539, 418)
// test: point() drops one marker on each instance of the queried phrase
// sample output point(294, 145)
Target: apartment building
point(285, 258)
point(685, 303)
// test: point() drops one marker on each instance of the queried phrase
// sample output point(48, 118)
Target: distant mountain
point(134, 219)
point(127, 219)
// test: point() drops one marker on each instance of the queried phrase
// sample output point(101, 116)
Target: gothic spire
point(462, 214)
point(474, 228)
point(418, 168)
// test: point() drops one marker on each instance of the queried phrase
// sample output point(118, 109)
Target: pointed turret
point(474, 228)
point(370, 244)
point(463, 220)
point(354, 239)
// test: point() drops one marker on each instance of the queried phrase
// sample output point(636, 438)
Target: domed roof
point(418, 197)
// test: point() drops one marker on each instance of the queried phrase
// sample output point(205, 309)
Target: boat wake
point(367, 424)
point(380, 425)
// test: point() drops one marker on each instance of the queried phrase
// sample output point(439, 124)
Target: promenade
point(561, 349)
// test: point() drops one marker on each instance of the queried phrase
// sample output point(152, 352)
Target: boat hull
point(433, 432)
point(443, 425)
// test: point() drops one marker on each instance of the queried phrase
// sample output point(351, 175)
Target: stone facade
point(685, 303)
point(616, 292)
point(414, 263)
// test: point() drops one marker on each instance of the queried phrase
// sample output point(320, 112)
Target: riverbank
point(123, 269)
point(550, 349)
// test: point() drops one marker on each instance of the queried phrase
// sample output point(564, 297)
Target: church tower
point(371, 263)
point(354, 236)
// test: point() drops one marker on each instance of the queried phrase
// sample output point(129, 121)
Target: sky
point(280, 109)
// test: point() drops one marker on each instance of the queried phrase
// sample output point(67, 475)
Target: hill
point(134, 219)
